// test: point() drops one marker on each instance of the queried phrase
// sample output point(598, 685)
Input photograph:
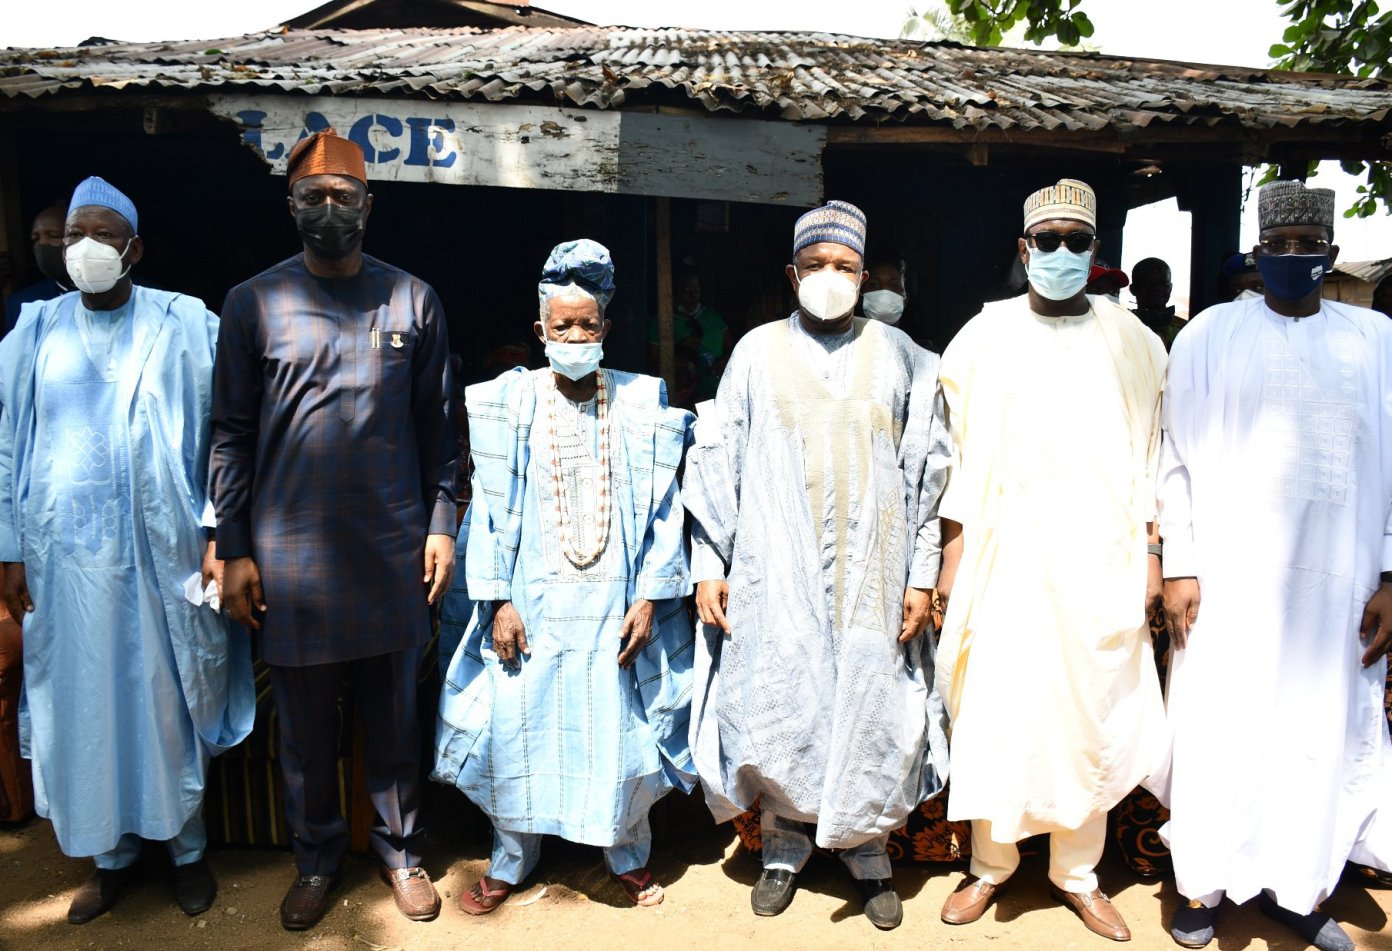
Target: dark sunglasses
point(1049, 241)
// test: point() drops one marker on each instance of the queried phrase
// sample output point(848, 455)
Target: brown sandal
point(480, 899)
point(638, 881)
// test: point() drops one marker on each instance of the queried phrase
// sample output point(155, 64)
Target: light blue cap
point(100, 192)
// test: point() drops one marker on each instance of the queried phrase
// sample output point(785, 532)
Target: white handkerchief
point(197, 594)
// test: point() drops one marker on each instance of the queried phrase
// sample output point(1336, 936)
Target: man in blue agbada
point(566, 707)
point(131, 682)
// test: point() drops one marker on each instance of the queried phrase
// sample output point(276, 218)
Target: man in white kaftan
point(1045, 660)
point(814, 483)
point(1274, 506)
point(131, 682)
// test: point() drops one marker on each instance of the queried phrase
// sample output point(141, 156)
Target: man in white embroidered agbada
point(1275, 505)
point(814, 482)
point(1053, 402)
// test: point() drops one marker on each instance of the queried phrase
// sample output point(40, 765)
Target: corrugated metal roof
point(810, 76)
point(1370, 271)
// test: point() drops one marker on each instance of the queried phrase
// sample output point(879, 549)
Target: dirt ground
point(572, 903)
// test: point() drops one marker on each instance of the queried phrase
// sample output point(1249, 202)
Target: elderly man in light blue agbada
point(565, 710)
point(814, 482)
point(132, 682)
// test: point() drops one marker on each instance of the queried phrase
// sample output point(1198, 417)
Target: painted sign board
point(513, 145)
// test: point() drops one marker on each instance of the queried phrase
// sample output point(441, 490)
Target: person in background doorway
point(1106, 281)
point(701, 338)
point(883, 296)
point(46, 237)
point(1152, 285)
point(1238, 279)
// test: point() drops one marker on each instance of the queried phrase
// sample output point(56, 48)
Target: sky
point(1233, 32)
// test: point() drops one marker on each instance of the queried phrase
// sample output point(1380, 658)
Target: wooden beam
point(1329, 142)
point(851, 136)
point(12, 244)
point(666, 336)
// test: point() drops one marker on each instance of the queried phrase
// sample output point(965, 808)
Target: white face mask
point(95, 267)
point(828, 295)
point(884, 306)
point(1059, 274)
point(574, 361)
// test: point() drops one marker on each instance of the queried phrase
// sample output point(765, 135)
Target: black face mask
point(330, 231)
point(49, 258)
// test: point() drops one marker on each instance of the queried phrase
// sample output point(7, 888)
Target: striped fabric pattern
point(839, 222)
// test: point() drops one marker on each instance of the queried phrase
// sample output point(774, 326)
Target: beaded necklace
point(561, 509)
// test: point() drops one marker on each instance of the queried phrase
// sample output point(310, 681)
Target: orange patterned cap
point(326, 153)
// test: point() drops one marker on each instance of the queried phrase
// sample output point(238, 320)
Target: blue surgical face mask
point(574, 361)
point(1060, 274)
point(1292, 276)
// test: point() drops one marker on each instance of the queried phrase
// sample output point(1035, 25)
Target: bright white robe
point(1045, 661)
point(1275, 486)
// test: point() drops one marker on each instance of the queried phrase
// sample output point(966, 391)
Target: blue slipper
point(1193, 924)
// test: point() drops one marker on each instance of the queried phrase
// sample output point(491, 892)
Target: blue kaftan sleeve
point(662, 563)
point(437, 443)
point(500, 423)
point(17, 354)
point(9, 528)
point(715, 463)
point(927, 549)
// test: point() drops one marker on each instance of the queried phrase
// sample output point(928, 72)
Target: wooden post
point(12, 223)
point(1213, 196)
point(666, 338)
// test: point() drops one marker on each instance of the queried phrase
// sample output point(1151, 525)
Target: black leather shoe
point(194, 887)
point(306, 901)
point(882, 905)
point(773, 892)
point(99, 894)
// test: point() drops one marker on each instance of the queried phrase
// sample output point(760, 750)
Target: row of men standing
point(324, 438)
point(838, 466)
point(816, 486)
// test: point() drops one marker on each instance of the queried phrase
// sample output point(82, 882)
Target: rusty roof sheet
point(1370, 271)
point(796, 76)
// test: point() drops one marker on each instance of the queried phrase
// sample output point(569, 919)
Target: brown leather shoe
point(415, 897)
point(99, 894)
point(306, 901)
point(1097, 912)
point(969, 902)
